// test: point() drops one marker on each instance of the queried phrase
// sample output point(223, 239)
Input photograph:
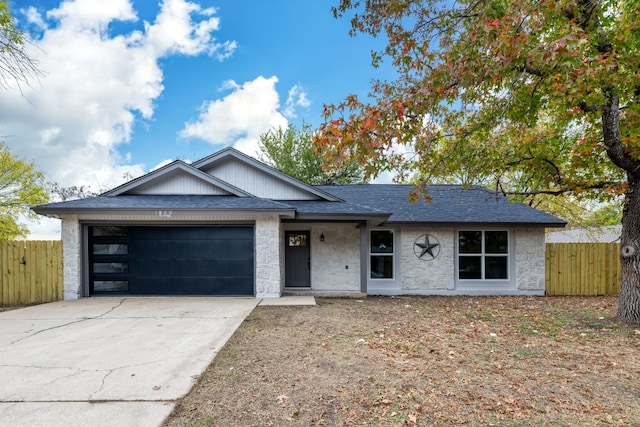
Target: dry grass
point(427, 361)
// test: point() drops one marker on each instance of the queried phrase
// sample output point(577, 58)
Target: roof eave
point(375, 219)
point(160, 213)
point(481, 224)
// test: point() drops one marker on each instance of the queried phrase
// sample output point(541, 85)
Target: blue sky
point(130, 85)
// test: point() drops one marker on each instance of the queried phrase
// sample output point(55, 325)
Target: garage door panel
point(190, 268)
point(192, 286)
point(181, 260)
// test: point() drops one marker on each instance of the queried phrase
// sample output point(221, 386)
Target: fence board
point(582, 269)
point(31, 272)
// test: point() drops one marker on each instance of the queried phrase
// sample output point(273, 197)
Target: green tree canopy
point(291, 151)
point(535, 97)
point(21, 186)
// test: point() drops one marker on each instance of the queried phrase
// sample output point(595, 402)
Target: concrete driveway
point(108, 361)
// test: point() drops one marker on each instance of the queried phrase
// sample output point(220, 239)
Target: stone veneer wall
point(72, 256)
point(268, 257)
point(530, 259)
point(423, 274)
point(335, 263)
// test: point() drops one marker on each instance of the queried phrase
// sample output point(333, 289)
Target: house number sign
point(426, 247)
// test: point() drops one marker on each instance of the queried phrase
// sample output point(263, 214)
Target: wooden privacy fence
point(31, 272)
point(583, 269)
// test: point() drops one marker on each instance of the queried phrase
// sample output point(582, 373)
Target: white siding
point(257, 182)
point(180, 183)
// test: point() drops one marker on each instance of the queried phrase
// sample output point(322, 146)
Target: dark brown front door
point(297, 259)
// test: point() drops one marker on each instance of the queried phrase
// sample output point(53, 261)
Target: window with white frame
point(483, 255)
point(381, 254)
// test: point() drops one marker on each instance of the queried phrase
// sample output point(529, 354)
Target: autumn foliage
point(526, 97)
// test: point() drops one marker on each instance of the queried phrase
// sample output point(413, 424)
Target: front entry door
point(297, 259)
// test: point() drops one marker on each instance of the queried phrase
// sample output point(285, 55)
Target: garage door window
point(109, 264)
point(110, 286)
point(110, 230)
point(111, 249)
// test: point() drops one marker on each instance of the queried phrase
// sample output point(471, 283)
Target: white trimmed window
point(381, 254)
point(483, 255)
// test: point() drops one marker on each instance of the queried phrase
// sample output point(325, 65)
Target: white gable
point(177, 178)
point(256, 181)
point(179, 182)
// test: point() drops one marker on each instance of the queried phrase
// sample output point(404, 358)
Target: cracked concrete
point(108, 361)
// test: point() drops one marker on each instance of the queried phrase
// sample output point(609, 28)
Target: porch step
point(326, 294)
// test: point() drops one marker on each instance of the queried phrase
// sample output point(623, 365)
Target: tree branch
point(596, 186)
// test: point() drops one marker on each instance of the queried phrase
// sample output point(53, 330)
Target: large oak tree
point(538, 97)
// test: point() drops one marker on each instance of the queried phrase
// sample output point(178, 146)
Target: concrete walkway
point(110, 361)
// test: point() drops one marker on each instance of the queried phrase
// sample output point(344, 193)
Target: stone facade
point(72, 255)
point(530, 259)
point(438, 276)
point(335, 263)
point(268, 257)
point(425, 273)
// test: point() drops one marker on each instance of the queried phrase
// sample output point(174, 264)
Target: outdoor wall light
point(322, 237)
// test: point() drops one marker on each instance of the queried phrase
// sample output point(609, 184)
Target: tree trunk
point(629, 302)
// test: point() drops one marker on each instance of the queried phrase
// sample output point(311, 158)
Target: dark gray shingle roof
point(450, 204)
point(196, 202)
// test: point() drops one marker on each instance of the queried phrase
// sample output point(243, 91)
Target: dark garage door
point(171, 260)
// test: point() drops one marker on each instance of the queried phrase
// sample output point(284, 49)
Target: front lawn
point(426, 361)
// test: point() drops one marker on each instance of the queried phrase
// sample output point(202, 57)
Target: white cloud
point(33, 17)
point(95, 84)
point(240, 117)
point(71, 122)
point(161, 164)
point(297, 98)
point(175, 32)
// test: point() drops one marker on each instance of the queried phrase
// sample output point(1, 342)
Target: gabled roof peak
point(209, 162)
point(172, 168)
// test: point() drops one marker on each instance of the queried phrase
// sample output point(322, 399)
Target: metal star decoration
point(428, 246)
